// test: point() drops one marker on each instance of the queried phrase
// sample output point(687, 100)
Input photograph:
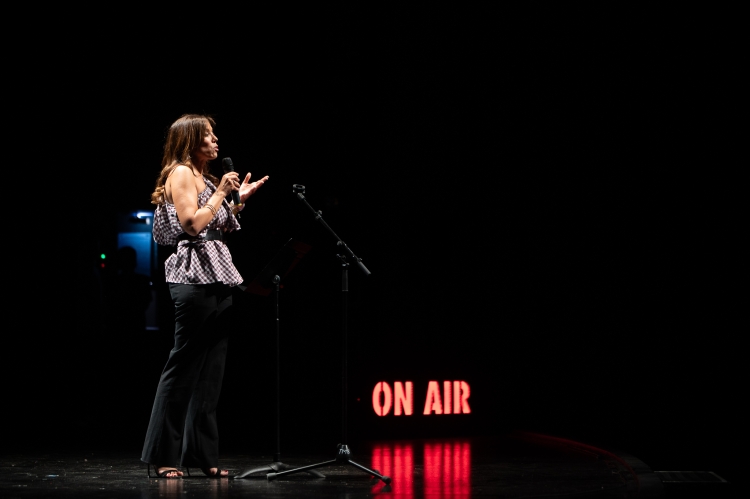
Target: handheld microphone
point(229, 167)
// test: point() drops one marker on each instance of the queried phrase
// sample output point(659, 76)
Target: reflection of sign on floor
point(454, 398)
point(446, 468)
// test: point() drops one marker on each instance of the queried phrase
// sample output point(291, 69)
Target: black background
point(541, 195)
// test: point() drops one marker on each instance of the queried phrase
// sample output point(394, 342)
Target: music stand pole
point(343, 452)
point(286, 258)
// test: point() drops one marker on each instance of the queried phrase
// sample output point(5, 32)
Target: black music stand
point(343, 454)
point(280, 265)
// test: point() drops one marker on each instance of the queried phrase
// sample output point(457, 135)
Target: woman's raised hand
point(248, 188)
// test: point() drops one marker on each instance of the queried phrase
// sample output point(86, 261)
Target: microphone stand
point(343, 453)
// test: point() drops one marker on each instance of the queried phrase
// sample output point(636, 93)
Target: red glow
point(385, 407)
point(447, 469)
point(404, 398)
point(563, 442)
point(397, 462)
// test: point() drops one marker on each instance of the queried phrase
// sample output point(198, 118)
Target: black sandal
point(162, 473)
point(217, 475)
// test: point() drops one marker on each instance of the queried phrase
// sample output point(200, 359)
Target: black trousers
point(183, 427)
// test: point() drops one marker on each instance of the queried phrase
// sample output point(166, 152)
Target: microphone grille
point(227, 163)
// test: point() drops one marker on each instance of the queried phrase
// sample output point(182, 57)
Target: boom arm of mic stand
point(319, 218)
point(351, 253)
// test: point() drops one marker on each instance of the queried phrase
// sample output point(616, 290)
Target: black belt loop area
point(211, 235)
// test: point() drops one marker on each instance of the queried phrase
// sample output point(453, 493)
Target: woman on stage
point(194, 213)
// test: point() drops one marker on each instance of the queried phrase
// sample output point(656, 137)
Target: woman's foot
point(167, 472)
point(215, 472)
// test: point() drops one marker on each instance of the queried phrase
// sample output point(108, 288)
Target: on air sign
point(453, 399)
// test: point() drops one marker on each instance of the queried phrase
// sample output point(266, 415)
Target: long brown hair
point(183, 137)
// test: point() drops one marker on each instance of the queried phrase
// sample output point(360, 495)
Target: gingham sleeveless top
point(197, 262)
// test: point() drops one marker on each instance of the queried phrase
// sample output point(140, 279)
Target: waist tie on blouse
point(211, 235)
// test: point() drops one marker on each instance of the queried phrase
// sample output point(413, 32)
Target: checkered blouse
point(197, 262)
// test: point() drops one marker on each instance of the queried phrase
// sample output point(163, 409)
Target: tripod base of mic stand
point(341, 457)
point(274, 467)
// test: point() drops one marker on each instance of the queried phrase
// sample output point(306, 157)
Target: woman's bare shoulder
point(179, 180)
point(181, 171)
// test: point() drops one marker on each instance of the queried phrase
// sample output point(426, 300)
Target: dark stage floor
point(515, 465)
